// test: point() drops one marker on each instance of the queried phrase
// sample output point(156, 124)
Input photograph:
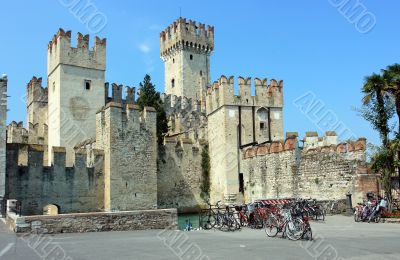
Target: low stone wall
point(94, 222)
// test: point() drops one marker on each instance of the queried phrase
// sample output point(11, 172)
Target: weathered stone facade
point(3, 127)
point(283, 170)
point(111, 162)
point(185, 48)
point(76, 78)
point(129, 140)
point(180, 176)
point(235, 122)
point(95, 222)
point(36, 104)
point(73, 189)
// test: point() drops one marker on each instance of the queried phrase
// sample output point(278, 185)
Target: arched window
point(191, 57)
point(172, 83)
point(201, 73)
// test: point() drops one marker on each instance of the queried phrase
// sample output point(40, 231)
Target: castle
point(84, 151)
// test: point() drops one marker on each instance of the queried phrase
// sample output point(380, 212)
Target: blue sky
point(309, 44)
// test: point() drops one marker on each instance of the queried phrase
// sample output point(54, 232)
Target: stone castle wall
point(179, 176)
point(72, 189)
point(3, 128)
point(94, 222)
point(283, 170)
point(129, 140)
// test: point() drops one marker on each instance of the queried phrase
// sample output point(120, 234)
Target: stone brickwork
point(37, 108)
point(17, 133)
point(76, 77)
point(179, 177)
point(3, 124)
point(185, 48)
point(95, 222)
point(249, 156)
point(180, 174)
point(184, 116)
point(72, 189)
point(129, 140)
point(283, 170)
point(237, 121)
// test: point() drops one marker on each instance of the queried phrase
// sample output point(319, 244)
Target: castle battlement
point(61, 52)
point(123, 116)
point(36, 92)
point(16, 133)
point(116, 93)
point(350, 150)
point(312, 140)
point(178, 103)
point(184, 115)
point(222, 93)
point(32, 156)
point(182, 34)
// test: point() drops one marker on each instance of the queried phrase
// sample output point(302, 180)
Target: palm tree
point(392, 77)
point(375, 88)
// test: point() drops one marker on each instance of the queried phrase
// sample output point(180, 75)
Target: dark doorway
point(241, 183)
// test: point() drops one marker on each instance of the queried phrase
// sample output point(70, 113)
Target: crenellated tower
point(76, 78)
point(236, 122)
point(36, 104)
point(185, 48)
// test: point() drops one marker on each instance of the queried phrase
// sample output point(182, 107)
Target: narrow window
point(201, 73)
point(87, 84)
point(262, 125)
point(173, 60)
point(54, 86)
point(191, 57)
point(172, 82)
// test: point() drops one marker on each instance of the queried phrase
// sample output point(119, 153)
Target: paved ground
point(338, 236)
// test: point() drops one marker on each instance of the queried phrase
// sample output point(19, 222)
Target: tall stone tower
point(76, 89)
point(3, 127)
point(186, 48)
point(237, 122)
point(36, 104)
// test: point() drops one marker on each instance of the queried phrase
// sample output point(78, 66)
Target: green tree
point(378, 109)
point(148, 96)
point(376, 105)
point(392, 78)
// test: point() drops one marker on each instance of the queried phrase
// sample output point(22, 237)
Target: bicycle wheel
point(319, 215)
point(357, 217)
point(294, 229)
point(378, 218)
point(243, 221)
point(218, 221)
point(271, 227)
point(232, 223)
point(236, 222)
point(308, 234)
point(207, 221)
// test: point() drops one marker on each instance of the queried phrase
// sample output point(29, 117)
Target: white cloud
point(144, 47)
